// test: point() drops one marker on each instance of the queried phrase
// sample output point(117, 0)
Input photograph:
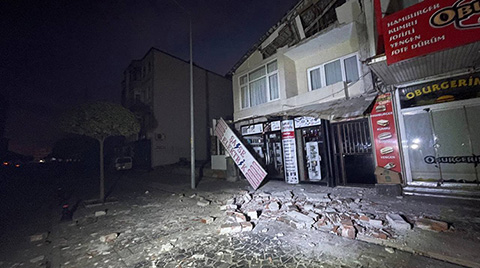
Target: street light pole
point(192, 114)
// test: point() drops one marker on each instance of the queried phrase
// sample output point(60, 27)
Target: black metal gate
point(353, 154)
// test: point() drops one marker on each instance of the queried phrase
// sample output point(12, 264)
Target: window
point(259, 86)
point(343, 69)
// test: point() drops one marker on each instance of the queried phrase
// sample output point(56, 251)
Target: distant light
point(5, 163)
point(17, 165)
point(41, 161)
point(414, 146)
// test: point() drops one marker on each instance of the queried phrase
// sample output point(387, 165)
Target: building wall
point(167, 91)
point(293, 76)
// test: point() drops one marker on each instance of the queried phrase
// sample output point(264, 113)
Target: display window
point(440, 122)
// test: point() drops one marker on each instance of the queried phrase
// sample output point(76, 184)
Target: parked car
point(123, 163)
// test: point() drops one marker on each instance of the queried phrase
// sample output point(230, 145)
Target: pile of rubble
point(347, 217)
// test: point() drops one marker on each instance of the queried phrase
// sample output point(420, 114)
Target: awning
point(334, 110)
point(452, 61)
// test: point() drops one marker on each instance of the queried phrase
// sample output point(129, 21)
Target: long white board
point(245, 161)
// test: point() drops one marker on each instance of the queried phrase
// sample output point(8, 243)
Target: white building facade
point(306, 74)
point(157, 89)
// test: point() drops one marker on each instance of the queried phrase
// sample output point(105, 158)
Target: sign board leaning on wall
point(245, 161)
point(430, 26)
point(385, 134)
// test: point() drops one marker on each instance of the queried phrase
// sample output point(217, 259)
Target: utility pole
point(192, 114)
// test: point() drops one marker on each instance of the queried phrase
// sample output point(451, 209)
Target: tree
point(100, 120)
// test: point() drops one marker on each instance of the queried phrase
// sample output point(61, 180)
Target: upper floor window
point(343, 69)
point(260, 85)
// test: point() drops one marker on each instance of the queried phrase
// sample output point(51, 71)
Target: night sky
point(55, 54)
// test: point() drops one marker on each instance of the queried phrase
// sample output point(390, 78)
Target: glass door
point(442, 145)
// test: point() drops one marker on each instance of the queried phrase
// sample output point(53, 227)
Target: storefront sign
point(275, 125)
point(473, 159)
point(445, 90)
point(240, 155)
point(272, 126)
point(307, 121)
point(430, 26)
point(252, 129)
point(385, 134)
point(289, 152)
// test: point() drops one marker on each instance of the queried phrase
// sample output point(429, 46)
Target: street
point(158, 221)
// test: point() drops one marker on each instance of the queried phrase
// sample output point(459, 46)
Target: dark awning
point(334, 110)
point(456, 60)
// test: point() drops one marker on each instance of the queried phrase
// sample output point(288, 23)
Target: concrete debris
point(230, 228)
point(390, 250)
point(347, 217)
point(252, 214)
point(38, 259)
point(273, 206)
point(246, 226)
point(227, 207)
point(398, 223)
point(203, 202)
point(167, 247)
point(247, 197)
point(108, 238)
point(208, 220)
point(38, 237)
point(431, 225)
point(100, 213)
point(198, 256)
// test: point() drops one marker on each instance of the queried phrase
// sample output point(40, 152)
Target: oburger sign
point(430, 26)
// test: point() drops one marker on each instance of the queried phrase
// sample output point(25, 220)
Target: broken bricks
point(108, 238)
point(431, 225)
point(398, 223)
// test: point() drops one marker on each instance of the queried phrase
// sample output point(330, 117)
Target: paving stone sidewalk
point(159, 221)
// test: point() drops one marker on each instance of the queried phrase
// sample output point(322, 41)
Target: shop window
point(259, 86)
point(343, 69)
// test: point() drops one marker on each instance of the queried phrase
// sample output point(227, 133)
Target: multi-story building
point(428, 60)
point(302, 95)
point(157, 89)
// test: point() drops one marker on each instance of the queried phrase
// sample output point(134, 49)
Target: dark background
point(55, 54)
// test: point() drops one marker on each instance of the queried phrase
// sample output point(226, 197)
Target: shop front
point(305, 149)
point(439, 124)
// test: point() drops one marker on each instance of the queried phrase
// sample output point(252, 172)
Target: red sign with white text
point(430, 26)
point(385, 134)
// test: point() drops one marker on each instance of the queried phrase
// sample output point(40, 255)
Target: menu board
point(385, 134)
point(289, 152)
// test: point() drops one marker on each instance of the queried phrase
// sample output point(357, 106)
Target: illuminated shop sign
point(450, 89)
point(430, 26)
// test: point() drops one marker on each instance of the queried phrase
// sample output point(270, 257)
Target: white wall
point(293, 79)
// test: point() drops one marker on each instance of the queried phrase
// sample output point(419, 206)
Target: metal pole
point(192, 125)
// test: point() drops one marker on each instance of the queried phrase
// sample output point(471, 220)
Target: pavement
point(158, 221)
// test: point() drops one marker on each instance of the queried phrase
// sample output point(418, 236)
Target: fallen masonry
point(344, 217)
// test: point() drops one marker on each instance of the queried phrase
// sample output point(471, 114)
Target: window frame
point(323, 77)
point(247, 83)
